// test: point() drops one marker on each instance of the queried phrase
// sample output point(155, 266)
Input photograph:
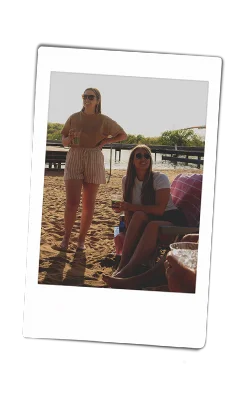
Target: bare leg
point(153, 277)
point(73, 194)
point(133, 234)
point(145, 248)
point(88, 205)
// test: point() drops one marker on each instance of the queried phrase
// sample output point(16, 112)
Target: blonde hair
point(98, 96)
point(148, 192)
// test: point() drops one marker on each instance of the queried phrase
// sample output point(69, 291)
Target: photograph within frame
point(195, 303)
point(178, 104)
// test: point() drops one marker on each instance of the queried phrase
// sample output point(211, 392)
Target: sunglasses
point(88, 96)
point(139, 156)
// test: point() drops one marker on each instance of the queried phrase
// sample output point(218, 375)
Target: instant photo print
point(170, 103)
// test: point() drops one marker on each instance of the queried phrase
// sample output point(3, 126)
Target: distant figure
point(86, 132)
point(147, 205)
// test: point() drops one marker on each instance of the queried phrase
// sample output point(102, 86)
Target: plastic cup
point(186, 252)
point(115, 201)
point(76, 138)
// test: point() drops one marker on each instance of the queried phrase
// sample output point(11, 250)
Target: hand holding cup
point(181, 278)
point(116, 201)
point(75, 137)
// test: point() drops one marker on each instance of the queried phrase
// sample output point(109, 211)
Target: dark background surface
point(227, 325)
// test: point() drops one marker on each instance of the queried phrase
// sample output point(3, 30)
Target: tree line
point(181, 137)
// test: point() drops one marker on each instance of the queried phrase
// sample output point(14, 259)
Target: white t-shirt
point(160, 181)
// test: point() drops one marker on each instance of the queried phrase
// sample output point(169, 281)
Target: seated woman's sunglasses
point(139, 156)
point(88, 96)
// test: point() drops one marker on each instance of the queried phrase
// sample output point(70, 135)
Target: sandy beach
point(80, 268)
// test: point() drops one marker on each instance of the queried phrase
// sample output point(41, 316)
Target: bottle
point(122, 226)
point(116, 231)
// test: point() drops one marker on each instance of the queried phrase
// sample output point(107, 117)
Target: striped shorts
point(86, 164)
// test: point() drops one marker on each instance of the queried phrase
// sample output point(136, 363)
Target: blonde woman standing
point(86, 132)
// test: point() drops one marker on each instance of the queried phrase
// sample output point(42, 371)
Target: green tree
point(181, 137)
point(154, 141)
point(197, 141)
point(140, 139)
point(55, 137)
point(131, 139)
point(135, 139)
point(54, 131)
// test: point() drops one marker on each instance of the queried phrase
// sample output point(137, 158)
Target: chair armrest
point(178, 230)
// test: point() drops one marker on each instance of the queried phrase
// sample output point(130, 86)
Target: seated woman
point(167, 271)
point(147, 205)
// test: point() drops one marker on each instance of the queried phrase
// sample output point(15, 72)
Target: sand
point(76, 268)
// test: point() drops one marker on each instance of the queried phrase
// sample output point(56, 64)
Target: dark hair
point(98, 96)
point(148, 192)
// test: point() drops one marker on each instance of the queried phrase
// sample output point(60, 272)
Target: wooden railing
point(57, 156)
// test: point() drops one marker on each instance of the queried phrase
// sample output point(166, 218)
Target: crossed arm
point(161, 201)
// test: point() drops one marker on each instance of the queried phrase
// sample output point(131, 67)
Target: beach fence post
point(110, 163)
point(199, 166)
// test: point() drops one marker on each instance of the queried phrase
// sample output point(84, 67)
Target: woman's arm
point(118, 138)
point(66, 136)
point(161, 201)
point(66, 141)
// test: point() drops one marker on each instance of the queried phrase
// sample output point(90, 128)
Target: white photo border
point(113, 315)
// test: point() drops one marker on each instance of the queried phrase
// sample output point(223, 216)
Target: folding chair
point(186, 192)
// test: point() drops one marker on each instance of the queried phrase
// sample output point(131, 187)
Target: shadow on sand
point(60, 270)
